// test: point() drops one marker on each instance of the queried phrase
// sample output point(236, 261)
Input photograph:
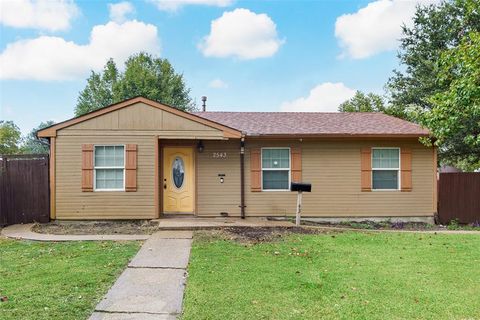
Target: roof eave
point(336, 135)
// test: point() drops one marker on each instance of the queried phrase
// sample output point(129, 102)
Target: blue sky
point(243, 55)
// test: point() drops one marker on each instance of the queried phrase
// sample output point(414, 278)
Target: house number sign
point(219, 155)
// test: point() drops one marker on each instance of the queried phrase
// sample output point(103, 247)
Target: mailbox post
point(300, 188)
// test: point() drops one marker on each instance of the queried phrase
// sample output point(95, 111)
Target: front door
point(178, 180)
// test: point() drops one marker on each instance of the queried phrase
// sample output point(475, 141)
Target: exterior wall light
point(200, 146)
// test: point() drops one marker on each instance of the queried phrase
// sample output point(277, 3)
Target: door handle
point(165, 184)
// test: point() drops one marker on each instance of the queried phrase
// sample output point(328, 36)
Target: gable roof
point(327, 124)
point(51, 131)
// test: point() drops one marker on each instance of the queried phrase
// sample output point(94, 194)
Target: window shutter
point(131, 167)
point(406, 169)
point(366, 168)
point(255, 170)
point(296, 159)
point(87, 167)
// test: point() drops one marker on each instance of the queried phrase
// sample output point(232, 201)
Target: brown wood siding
point(72, 203)
point(140, 119)
point(333, 168)
point(138, 124)
point(214, 197)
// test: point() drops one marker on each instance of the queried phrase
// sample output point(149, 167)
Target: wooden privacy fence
point(24, 189)
point(459, 197)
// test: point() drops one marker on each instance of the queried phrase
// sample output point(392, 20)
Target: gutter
point(242, 177)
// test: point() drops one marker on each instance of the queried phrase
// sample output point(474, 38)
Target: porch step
point(215, 223)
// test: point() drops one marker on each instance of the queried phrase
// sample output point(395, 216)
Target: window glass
point(274, 179)
point(275, 158)
point(276, 169)
point(385, 179)
point(109, 167)
point(109, 156)
point(385, 158)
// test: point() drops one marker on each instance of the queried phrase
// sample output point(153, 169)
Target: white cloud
point(375, 28)
point(174, 5)
point(218, 84)
point(325, 97)
point(51, 15)
point(241, 33)
point(120, 10)
point(53, 58)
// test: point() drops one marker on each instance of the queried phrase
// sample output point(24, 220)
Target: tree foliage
point(144, 75)
point(362, 102)
point(436, 28)
point(10, 138)
point(454, 116)
point(437, 83)
point(370, 102)
point(32, 144)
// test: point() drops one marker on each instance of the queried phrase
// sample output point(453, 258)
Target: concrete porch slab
point(158, 252)
point(194, 223)
point(154, 291)
point(130, 316)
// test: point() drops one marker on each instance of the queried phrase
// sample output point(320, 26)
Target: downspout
point(242, 177)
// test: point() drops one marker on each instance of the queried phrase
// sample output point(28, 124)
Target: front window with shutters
point(275, 169)
point(385, 168)
point(109, 165)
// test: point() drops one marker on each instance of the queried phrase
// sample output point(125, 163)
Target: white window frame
point(109, 167)
point(277, 169)
point(399, 176)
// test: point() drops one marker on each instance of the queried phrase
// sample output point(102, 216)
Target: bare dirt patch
point(97, 227)
point(254, 235)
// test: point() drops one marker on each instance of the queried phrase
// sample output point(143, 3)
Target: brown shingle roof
point(316, 123)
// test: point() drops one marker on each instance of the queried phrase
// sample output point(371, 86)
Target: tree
point(454, 116)
point(362, 102)
point(144, 75)
point(436, 28)
point(370, 102)
point(437, 31)
point(10, 137)
point(32, 144)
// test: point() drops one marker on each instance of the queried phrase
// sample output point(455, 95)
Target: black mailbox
point(300, 186)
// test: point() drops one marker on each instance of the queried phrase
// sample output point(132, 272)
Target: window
point(276, 168)
point(109, 164)
point(385, 168)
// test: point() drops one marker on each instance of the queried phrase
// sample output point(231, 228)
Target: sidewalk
point(152, 285)
point(23, 231)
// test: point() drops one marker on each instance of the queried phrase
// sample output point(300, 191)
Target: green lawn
point(349, 275)
point(58, 280)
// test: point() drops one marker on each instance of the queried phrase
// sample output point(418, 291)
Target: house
point(140, 159)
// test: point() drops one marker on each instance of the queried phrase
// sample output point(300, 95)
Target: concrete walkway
point(152, 285)
point(23, 231)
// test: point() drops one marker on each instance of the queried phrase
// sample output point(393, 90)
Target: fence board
point(459, 197)
point(24, 189)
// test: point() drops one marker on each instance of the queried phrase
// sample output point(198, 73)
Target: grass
point(350, 275)
point(455, 225)
point(58, 280)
